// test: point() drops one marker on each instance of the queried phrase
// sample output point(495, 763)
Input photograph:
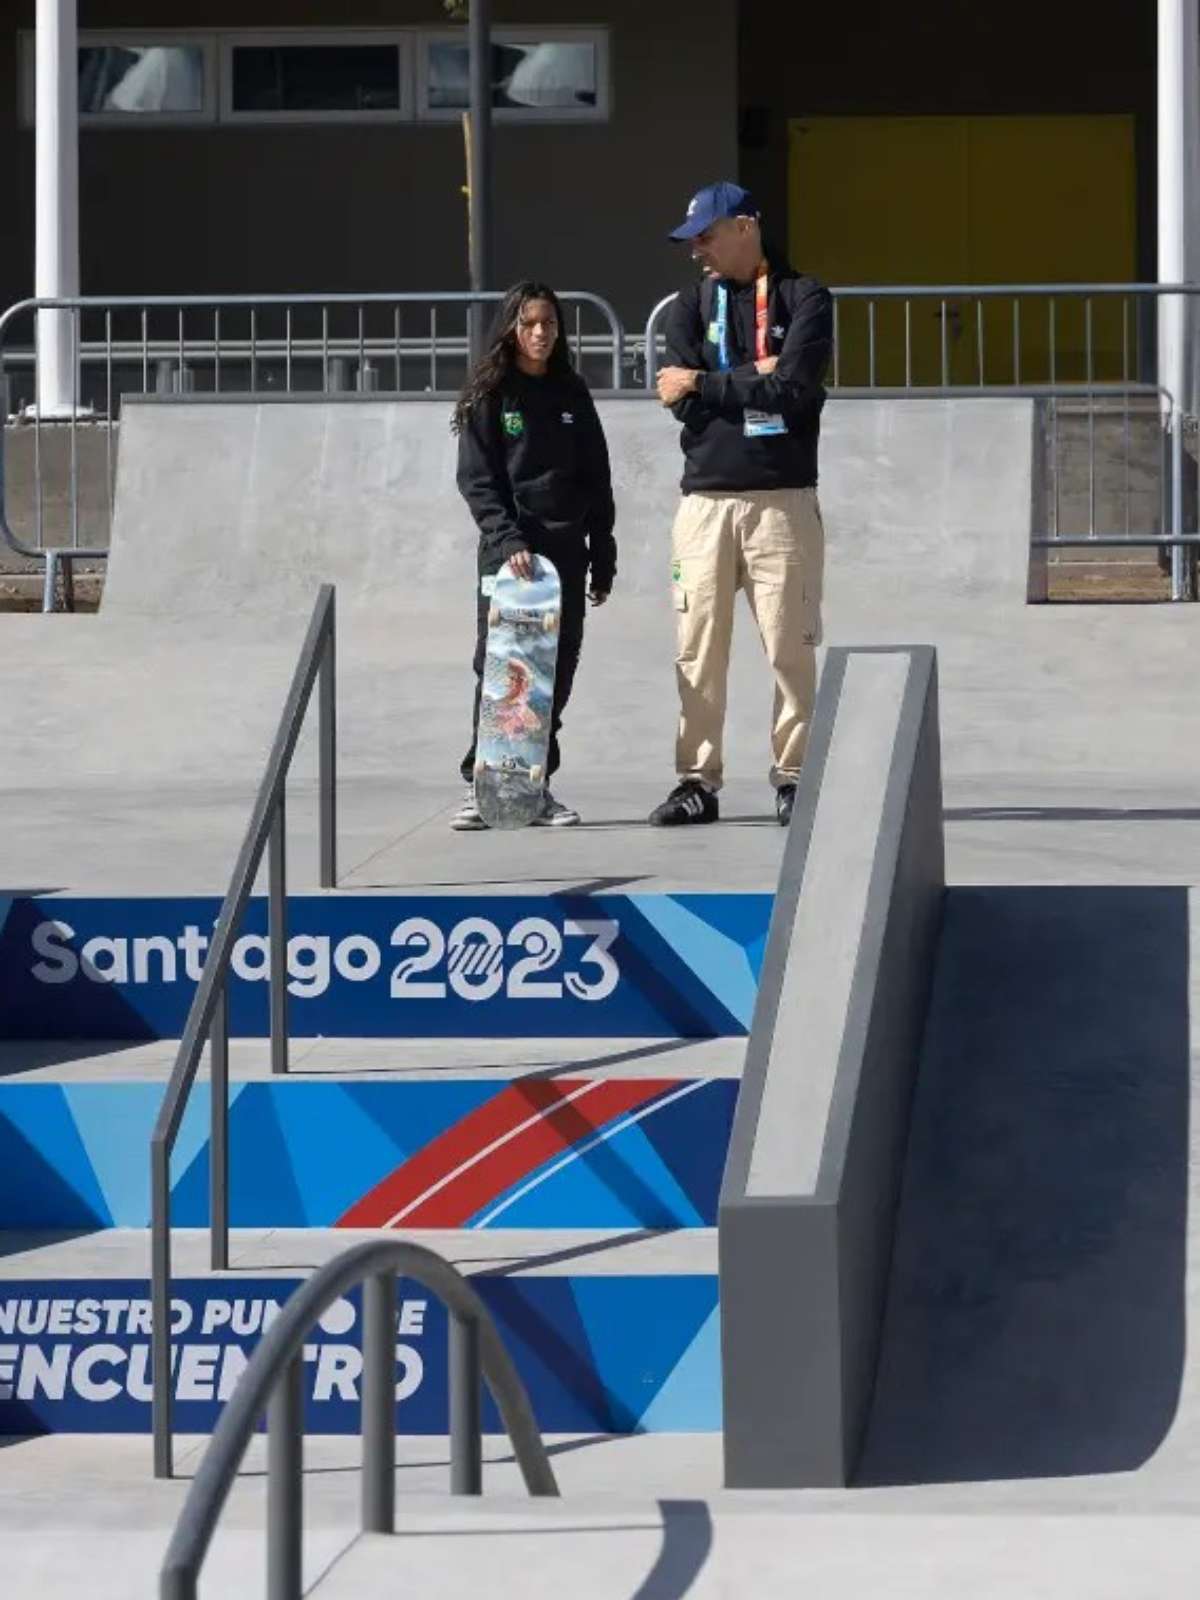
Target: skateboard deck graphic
point(518, 691)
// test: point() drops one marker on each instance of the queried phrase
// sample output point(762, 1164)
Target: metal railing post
point(379, 1404)
point(466, 1426)
point(285, 1485)
point(50, 582)
point(1179, 556)
point(160, 1306)
point(218, 1139)
point(277, 935)
point(327, 752)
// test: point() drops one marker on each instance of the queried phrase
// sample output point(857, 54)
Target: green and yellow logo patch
point(514, 423)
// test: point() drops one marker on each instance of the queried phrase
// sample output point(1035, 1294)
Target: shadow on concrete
point(604, 885)
point(687, 1541)
point(35, 1055)
point(22, 1241)
point(615, 1058)
point(577, 1252)
point(1036, 1317)
point(483, 1265)
point(1071, 814)
point(465, 885)
point(613, 824)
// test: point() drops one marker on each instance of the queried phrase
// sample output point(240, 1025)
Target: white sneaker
point(554, 814)
point(467, 819)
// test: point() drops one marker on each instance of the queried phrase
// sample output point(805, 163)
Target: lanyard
point(762, 318)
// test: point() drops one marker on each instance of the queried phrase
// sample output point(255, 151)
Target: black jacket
point(533, 467)
point(718, 454)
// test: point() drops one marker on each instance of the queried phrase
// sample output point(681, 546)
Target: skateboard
point(518, 691)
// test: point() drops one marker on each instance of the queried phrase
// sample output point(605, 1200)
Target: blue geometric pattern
point(302, 1154)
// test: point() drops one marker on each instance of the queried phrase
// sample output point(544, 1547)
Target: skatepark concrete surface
point(594, 1542)
point(1036, 1424)
point(95, 1509)
point(137, 736)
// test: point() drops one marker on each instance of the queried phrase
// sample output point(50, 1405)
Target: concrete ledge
point(811, 1186)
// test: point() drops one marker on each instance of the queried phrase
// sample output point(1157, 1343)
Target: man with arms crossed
point(747, 351)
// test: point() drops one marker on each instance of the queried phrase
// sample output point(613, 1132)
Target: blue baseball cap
point(711, 205)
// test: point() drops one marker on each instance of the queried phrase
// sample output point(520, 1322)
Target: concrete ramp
point(1040, 1299)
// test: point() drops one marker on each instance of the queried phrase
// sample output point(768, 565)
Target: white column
point(1178, 173)
point(56, 266)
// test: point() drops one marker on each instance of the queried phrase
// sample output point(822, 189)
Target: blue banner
point(597, 1355)
point(527, 966)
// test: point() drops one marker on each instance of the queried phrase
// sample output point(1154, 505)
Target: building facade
point(299, 145)
point(303, 145)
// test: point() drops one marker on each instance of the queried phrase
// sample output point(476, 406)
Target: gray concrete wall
point(360, 208)
point(927, 504)
point(813, 1176)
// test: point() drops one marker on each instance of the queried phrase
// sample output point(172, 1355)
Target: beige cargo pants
point(772, 545)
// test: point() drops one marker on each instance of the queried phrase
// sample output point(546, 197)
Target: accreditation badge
point(763, 425)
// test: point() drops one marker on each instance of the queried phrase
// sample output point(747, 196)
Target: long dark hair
point(498, 360)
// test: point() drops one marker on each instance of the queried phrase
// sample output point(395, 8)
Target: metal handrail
point(208, 1018)
point(272, 1381)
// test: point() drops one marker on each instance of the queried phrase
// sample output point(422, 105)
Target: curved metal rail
point(272, 1380)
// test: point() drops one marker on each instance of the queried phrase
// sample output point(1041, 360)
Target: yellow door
point(967, 200)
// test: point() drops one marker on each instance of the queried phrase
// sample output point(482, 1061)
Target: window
point(171, 79)
point(556, 75)
point(139, 80)
point(132, 79)
point(315, 77)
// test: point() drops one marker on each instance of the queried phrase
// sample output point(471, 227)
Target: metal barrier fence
point(1112, 468)
point(208, 1018)
point(102, 349)
point(984, 336)
point(273, 1381)
point(1114, 461)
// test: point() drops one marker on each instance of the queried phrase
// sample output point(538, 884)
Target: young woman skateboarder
point(533, 467)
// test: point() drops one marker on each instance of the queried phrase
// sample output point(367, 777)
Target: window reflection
point(133, 80)
point(550, 76)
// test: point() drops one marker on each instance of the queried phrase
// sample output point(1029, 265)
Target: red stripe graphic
point(494, 1147)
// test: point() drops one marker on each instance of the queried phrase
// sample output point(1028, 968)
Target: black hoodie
point(719, 456)
point(533, 467)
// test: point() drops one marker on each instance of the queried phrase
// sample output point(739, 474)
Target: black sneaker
point(689, 802)
point(785, 799)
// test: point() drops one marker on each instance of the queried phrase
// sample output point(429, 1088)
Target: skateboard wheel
point(480, 768)
point(493, 616)
point(549, 623)
point(535, 774)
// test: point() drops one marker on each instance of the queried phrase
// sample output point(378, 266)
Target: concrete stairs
point(576, 1178)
